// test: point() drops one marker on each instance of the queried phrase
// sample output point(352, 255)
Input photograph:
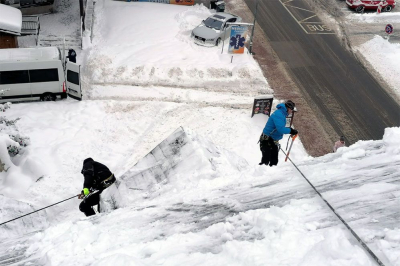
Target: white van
point(28, 74)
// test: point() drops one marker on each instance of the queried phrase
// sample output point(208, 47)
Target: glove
point(85, 191)
point(81, 196)
point(293, 131)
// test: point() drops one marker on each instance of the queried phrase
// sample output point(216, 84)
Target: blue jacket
point(275, 126)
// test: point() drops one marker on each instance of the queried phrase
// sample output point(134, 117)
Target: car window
point(14, 77)
point(213, 23)
point(43, 75)
point(73, 77)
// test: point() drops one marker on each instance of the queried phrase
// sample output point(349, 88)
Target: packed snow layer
point(12, 209)
point(132, 47)
point(10, 19)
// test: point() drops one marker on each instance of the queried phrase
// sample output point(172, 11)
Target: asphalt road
point(339, 86)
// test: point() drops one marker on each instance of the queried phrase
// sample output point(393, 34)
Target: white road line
point(302, 9)
point(302, 21)
point(307, 18)
point(293, 16)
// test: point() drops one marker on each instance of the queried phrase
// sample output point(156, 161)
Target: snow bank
point(384, 57)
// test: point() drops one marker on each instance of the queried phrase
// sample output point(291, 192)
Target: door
point(73, 81)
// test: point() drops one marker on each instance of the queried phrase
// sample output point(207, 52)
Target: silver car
point(212, 30)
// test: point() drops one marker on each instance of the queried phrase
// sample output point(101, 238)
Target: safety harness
point(108, 181)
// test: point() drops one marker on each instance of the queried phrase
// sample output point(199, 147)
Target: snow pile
point(19, 170)
point(373, 17)
point(384, 57)
point(164, 54)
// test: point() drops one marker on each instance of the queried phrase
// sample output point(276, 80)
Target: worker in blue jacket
point(273, 132)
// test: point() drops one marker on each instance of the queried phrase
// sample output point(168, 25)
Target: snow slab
point(10, 19)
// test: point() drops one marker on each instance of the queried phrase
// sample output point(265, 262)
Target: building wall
point(31, 7)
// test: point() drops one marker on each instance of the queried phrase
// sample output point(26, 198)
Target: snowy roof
point(24, 54)
point(10, 20)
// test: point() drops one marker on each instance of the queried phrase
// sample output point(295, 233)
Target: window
point(43, 75)
point(14, 77)
point(73, 77)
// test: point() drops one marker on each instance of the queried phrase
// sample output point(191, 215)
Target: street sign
point(389, 29)
point(237, 39)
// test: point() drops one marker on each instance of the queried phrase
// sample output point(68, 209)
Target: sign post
point(388, 30)
point(379, 10)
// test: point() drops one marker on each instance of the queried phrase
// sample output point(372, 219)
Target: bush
point(9, 128)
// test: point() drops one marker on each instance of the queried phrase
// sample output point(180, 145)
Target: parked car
point(361, 5)
point(214, 29)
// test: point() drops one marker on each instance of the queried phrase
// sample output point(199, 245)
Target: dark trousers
point(269, 150)
point(88, 202)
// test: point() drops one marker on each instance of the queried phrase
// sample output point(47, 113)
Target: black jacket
point(94, 174)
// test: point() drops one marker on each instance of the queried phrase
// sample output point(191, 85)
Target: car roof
point(223, 16)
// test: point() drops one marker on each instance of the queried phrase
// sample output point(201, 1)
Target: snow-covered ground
point(215, 204)
point(383, 56)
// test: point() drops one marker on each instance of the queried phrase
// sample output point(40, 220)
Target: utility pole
point(252, 30)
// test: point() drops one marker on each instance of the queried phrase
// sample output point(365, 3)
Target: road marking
point(307, 18)
point(318, 28)
point(308, 27)
point(301, 8)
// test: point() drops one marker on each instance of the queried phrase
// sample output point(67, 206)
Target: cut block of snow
point(181, 152)
point(10, 19)
point(110, 199)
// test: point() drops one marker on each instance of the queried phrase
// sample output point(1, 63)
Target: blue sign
point(389, 29)
point(237, 39)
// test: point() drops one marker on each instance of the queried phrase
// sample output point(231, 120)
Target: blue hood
point(275, 127)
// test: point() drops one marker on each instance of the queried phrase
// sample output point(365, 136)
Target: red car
point(361, 5)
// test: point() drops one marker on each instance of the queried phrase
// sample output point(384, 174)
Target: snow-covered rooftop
point(10, 19)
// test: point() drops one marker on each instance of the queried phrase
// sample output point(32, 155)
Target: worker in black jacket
point(71, 55)
point(97, 178)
